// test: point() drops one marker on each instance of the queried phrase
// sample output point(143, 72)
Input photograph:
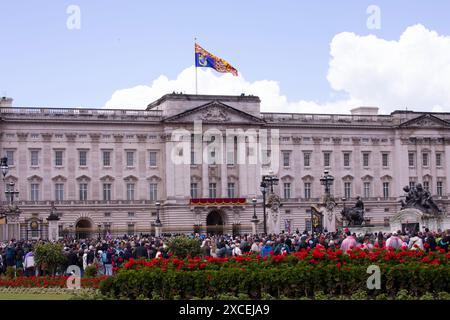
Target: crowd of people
point(110, 253)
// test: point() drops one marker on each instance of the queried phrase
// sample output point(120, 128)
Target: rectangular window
point(130, 191)
point(192, 157)
point(307, 187)
point(34, 196)
point(366, 189)
point(59, 192)
point(439, 188)
point(130, 229)
point(426, 185)
point(231, 191)
point(107, 192)
point(153, 192)
point(58, 158)
point(411, 159)
point(286, 159)
point(347, 190)
point(386, 190)
point(83, 191)
point(194, 190)
point(385, 159)
point(346, 159)
point(106, 158)
point(230, 157)
point(326, 159)
point(10, 156)
point(130, 214)
point(34, 157)
point(152, 158)
point(308, 221)
point(307, 159)
point(287, 190)
point(212, 190)
point(130, 158)
point(82, 155)
point(366, 157)
point(425, 159)
point(412, 183)
point(438, 159)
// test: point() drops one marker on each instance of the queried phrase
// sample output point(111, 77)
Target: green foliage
point(10, 272)
point(19, 272)
point(183, 246)
point(90, 271)
point(49, 256)
point(301, 280)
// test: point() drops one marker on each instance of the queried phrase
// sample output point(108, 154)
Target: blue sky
point(122, 44)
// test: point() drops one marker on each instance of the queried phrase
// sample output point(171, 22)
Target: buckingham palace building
point(196, 163)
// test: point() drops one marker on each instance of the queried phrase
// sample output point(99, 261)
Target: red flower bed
point(319, 254)
point(48, 282)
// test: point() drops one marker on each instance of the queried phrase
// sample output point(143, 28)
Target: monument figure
point(354, 215)
point(419, 198)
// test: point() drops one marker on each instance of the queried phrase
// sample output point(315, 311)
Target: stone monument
point(274, 203)
point(53, 225)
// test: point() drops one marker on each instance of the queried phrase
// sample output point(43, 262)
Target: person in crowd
point(267, 249)
point(394, 242)
point(349, 242)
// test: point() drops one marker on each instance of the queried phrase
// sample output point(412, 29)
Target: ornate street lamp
point(4, 166)
point(327, 180)
point(254, 209)
point(158, 206)
point(263, 187)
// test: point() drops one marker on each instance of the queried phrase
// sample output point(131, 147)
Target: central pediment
point(214, 112)
point(425, 121)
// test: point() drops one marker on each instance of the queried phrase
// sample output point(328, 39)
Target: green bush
point(49, 256)
point(404, 281)
point(183, 246)
point(90, 271)
point(10, 272)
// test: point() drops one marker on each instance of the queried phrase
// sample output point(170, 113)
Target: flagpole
point(195, 66)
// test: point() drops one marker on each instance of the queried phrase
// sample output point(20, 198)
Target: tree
point(183, 246)
point(49, 256)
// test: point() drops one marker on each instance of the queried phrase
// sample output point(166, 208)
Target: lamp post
point(327, 180)
point(4, 166)
point(254, 218)
point(158, 221)
point(263, 189)
point(99, 230)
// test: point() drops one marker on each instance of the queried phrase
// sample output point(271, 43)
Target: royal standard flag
point(205, 59)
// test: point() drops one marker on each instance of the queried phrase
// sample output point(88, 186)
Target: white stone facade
point(105, 169)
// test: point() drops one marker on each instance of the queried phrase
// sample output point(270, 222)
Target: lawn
point(34, 296)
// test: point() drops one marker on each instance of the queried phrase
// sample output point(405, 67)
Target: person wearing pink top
point(348, 243)
point(394, 241)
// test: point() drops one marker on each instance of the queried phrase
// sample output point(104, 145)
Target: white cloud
point(413, 73)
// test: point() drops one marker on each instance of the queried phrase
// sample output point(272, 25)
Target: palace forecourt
point(106, 170)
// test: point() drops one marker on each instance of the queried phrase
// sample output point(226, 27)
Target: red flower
point(338, 265)
point(426, 245)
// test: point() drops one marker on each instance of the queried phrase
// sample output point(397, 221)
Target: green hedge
point(298, 281)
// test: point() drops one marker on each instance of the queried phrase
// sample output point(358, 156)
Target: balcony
point(79, 114)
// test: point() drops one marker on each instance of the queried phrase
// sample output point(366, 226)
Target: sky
point(298, 56)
